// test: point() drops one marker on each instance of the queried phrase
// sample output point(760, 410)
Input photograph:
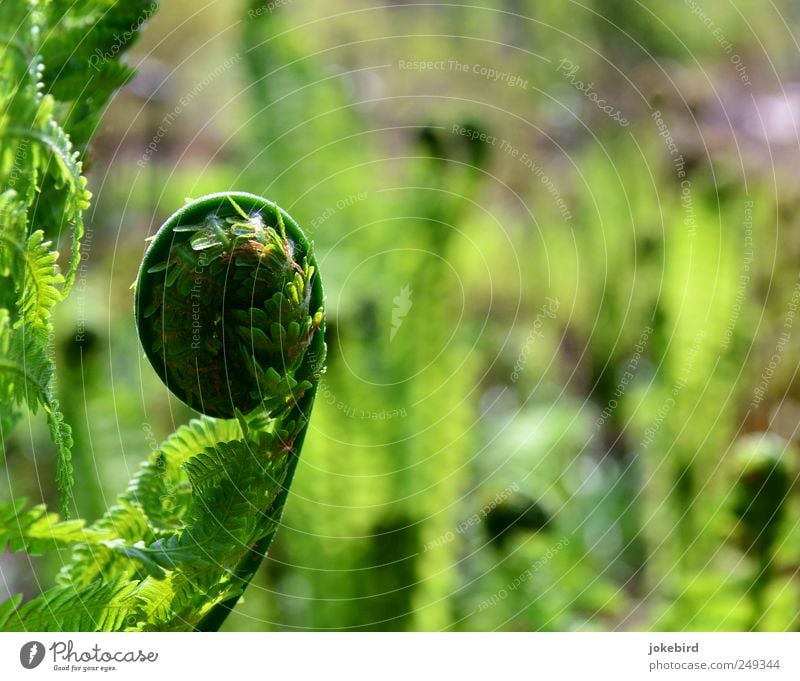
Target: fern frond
point(61, 435)
point(41, 284)
point(223, 462)
point(7, 609)
point(36, 531)
point(65, 171)
point(162, 487)
point(81, 51)
point(127, 524)
point(25, 376)
point(171, 604)
point(154, 506)
point(231, 487)
point(25, 369)
point(157, 598)
point(103, 606)
point(231, 507)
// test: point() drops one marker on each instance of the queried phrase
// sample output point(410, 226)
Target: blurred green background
point(560, 248)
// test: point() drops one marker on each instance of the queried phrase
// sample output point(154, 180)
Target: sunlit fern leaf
point(171, 604)
point(222, 462)
point(41, 284)
point(25, 370)
point(63, 169)
point(231, 487)
point(25, 375)
point(157, 598)
point(102, 606)
point(36, 531)
point(162, 488)
point(7, 609)
point(188, 571)
point(99, 560)
point(66, 172)
point(61, 435)
point(153, 507)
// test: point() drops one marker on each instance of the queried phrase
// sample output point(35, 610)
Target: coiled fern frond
point(229, 311)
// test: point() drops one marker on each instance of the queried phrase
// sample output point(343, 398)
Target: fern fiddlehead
point(229, 308)
point(224, 305)
point(229, 311)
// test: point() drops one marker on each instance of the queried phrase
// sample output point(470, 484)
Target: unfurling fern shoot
point(228, 306)
point(229, 309)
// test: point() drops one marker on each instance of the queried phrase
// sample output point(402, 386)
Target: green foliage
point(176, 545)
point(81, 49)
point(102, 606)
point(43, 191)
point(568, 406)
point(36, 531)
point(183, 541)
point(533, 418)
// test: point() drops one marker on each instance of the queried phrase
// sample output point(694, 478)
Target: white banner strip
point(406, 657)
